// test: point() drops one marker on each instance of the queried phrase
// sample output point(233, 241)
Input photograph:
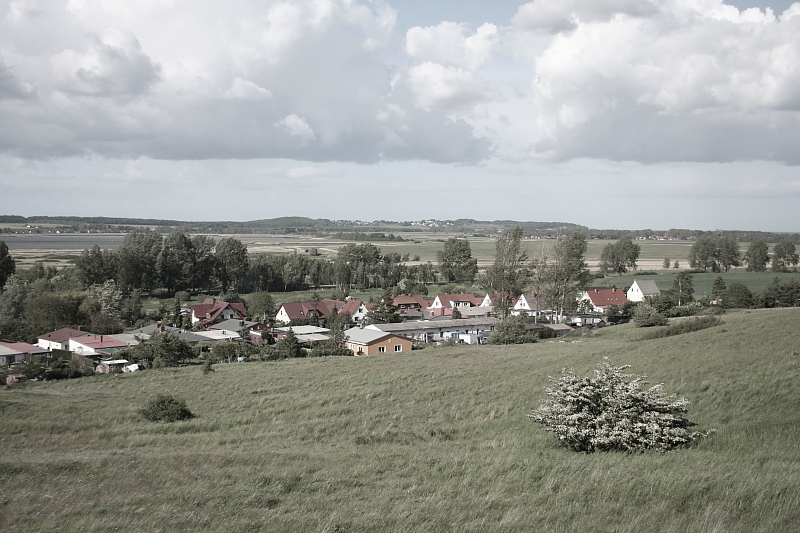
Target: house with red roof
point(601, 298)
point(96, 345)
point(59, 339)
point(301, 310)
point(406, 303)
point(444, 304)
point(355, 310)
point(212, 311)
point(18, 352)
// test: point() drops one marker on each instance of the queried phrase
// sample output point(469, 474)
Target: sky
point(624, 114)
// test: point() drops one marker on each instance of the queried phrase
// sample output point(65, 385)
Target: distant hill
point(326, 227)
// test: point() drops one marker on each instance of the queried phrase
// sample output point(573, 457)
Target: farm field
point(431, 440)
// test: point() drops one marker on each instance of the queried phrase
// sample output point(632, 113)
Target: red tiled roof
point(63, 334)
point(210, 309)
point(23, 347)
point(302, 309)
point(350, 307)
point(604, 297)
point(101, 341)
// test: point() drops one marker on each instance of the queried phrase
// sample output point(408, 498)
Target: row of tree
point(719, 254)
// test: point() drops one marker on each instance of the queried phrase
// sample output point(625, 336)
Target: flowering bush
point(610, 411)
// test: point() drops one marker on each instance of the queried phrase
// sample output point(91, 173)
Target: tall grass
point(431, 440)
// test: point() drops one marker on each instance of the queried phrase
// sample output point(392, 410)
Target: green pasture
point(435, 440)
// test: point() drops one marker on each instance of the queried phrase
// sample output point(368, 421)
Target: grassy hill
point(432, 440)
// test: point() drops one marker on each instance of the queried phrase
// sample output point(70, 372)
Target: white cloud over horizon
point(658, 88)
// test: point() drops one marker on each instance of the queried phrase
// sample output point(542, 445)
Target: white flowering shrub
point(611, 411)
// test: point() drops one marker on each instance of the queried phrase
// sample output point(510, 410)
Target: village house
point(444, 304)
point(301, 310)
point(367, 341)
point(641, 289)
point(599, 299)
point(95, 345)
point(354, 310)
point(18, 352)
point(212, 311)
point(470, 330)
point(59, 339)
point(532, 304)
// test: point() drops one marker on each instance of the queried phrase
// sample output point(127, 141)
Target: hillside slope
point(432, 440)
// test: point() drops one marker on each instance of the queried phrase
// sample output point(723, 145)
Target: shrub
point(684, 326)
point(645, 315)
point(610, 412)
point(165, 408)
point(512, 330)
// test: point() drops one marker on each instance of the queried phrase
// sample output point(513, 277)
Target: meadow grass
point(430, 440)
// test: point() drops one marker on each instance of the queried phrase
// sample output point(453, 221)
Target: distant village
point(447, 318)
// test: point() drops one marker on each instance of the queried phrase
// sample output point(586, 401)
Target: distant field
point(428, 441)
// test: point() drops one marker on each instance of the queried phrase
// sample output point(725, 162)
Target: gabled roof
point(647, 286)
point(410, 299)
point(210, 309)
point(19, 348)
point(604, 297)
point(447, 299)
point(63, 334)
point(350, 307)
point(332, 305)
point(302, 309)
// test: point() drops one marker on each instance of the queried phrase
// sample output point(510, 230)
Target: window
point(381, 349)
point(398, 347)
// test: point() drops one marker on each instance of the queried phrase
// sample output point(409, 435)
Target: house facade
point(469, 330)
point(641, 289)
point(365, 341)
point(599, 299)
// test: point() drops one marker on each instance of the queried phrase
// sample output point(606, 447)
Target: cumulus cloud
point(690, 82)
point(297, 127)
point(195, 80)
point(445, 64)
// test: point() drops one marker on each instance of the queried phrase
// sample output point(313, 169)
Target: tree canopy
point(456, 263)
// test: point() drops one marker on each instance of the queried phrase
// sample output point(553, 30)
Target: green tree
point(783, 256)
point(385, 312)
point(456, 263)
point(505, 280)
point(737, 296)
point(619, 257)
point(757, 256)
point(567, 272)
point(718, 287)
point(666, 264)
point(715, 253)
point(512, 330)
point(7, 264)
point(109, 296)
point(202, 261)
point(165, 346)
point(231, 262)
point(96, 266)
point(174, 263)
point(136, 259)
point(289, 347)
point(683, 287)
point(261, 305)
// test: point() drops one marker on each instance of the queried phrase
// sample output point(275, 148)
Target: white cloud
point(447, 44)
point(297, 127)
point(694, 82)
point(195, 79)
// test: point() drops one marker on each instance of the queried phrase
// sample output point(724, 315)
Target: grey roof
point(437, 324)
point(366, 335)
point(647, 286)
point(302, 330)
point(233, 324)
